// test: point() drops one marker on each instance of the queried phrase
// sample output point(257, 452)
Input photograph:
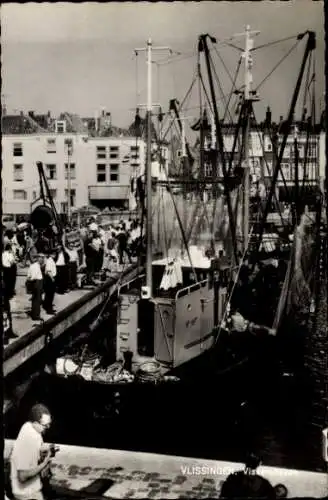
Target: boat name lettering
point(191, 322)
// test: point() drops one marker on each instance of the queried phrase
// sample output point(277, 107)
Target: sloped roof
point(17, 124)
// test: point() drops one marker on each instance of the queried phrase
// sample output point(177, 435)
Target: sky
point(80, 57)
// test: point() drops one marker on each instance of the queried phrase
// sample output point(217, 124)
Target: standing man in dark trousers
point(35, 279)
point(62, 261)
point(7, 318)
point(50, 272)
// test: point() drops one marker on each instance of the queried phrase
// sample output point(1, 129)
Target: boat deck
point(145, 475)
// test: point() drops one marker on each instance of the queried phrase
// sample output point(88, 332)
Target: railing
point(189, 289)
point(126, 286)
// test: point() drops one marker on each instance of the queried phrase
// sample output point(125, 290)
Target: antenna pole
point(149, 257)
point(247, 96)
point(184, 164)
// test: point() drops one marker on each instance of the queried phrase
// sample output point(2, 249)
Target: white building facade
point(101, 170)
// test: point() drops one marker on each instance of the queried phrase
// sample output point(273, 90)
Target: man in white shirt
point(35, 279)
point(49, 285)
point(26, 462)
point(9, 269)
point(73, 265)
point(98, 248)
point(62, 270)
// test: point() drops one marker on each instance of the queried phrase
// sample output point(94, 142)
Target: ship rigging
point(184, 304)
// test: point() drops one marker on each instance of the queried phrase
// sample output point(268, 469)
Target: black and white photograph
point(164, 250)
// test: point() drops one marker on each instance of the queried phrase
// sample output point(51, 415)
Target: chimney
point(96, 121)
point(268, 117)
point(103, 112)
point(21, 113)
point(31, 114)
point(49, 114)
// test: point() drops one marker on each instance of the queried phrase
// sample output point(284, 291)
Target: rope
point(267, 166)
point(233, 87)
point(273, 43)
point(223, 64)
point(234, 285)
point(181, 105)
point(307, 84)
point(217, 80)
point(276, 66)
point(271, 138)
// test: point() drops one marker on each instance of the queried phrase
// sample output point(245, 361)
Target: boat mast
point(149, 106)
point(149, 257)
point(185, 179)
point(248, 97)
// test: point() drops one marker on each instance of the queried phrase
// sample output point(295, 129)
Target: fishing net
point(304, 263)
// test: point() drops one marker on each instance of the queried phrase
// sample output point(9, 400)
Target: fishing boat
point(184, 305)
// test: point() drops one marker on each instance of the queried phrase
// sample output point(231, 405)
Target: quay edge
point(40, 339)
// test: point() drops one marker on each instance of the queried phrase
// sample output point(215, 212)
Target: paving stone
point(180, 480)
point(208, 481)
point(129, 494)
point(148, 477)
point(152, 494)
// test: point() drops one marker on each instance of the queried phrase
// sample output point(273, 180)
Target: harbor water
point(252, 408)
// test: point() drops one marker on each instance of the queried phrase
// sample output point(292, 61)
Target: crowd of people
point(54, 269)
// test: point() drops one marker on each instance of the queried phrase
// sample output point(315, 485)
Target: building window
point(208, 170)
point(60, 127)
point(135, 164)
point(292, 152)
point(134, 148)
point(53, 193)
point(114, 172)
point(51, 172)
point(20, 194)
point(101, 172)
point(286, 170)
point(269, 146)
point(72, 170)
point(68, 146)
point(134, 157)
point(51, 145)
point(114, 148)
point(18, 149)
point(18, 172)
point(113, 155)
point(73, 194)
point(34, 195)
point(312, 150)
point(101, 152)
